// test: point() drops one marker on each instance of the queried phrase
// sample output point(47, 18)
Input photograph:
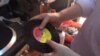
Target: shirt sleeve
point(87, 6)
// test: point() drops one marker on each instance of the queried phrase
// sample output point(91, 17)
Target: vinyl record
point(33, 34)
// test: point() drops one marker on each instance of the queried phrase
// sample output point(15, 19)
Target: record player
point(11, 38)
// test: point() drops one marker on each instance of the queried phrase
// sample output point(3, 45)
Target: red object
point(37, 33)
point(70, 23)
point(68, 38)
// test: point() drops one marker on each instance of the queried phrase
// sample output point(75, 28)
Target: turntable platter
point(7, 38)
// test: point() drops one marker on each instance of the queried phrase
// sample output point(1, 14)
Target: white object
point(49, 1)
point(3, 2)
point(81, 20)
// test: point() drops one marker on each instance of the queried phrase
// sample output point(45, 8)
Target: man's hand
point(53, 18)
point(56, 18)
point(61, 50)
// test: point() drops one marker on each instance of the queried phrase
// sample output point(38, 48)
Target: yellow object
point(45, 36)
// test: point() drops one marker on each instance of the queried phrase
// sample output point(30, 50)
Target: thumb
point(53, 44)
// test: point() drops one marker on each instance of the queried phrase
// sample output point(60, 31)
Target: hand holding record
point(53, 18)
point(61, 50)
point(37, 35)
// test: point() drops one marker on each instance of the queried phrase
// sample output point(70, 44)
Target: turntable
point(11, 40)
point(7, 38)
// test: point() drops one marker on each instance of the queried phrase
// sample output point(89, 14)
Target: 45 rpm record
point(37, 38)
point(41, 35)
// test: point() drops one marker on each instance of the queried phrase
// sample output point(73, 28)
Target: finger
point(62, 37)
point(53, 44)
point(44, 22)
point(38, 17)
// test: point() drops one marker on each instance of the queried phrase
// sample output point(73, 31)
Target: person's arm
point(70, 13)
point(57, 17)
point(80, 8)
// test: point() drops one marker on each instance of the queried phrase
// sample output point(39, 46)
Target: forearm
point(70, 13)
point(70, 52)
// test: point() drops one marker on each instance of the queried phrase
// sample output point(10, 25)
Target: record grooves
point(36, 45)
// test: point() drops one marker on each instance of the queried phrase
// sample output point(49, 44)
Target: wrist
point(59, 18)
